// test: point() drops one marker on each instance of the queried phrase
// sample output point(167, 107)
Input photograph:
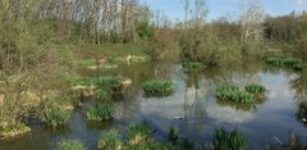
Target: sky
point(226, 8)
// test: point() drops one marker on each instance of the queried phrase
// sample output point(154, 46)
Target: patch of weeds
point(158, 87)
point(87, 62)
point(55, 117)
point(101, 112)
point(257, 90)
point(232, 93)
point(138, 133)
point(110, 141)
point(224, 140)
point(71, 145)
point(10, 131)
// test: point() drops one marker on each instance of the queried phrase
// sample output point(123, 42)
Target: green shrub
point(192, 65)
point(158, 87)
point(71, 145)
point(302, 112)
point(110, 141)
point(173, 135)
point(55, 117)
point(101, 112)
point(255, 89)
point(224, 140)
point(232, 93)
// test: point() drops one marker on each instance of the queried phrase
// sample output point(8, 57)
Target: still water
point(192, 109)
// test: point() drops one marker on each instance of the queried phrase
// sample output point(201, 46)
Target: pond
point(192, 109)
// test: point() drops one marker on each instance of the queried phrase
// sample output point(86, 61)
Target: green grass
point(110, 141)
point(13, 130)
point(232, 93)
point(158, 87)
point(255, 89)
point(55, 117)
point(102, 112)
point(290, 62)
point(141, 131)
point(71, 145)
point(104, 95)
point(302, 112)
point(107, 82)
point(224, 140)
point(192, 65)
point(88, 62)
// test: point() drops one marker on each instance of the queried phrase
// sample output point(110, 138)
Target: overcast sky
point(220, 8)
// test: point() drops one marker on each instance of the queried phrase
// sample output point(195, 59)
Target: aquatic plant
point(70, 145)
point(173, 135)
point(108, 82)
point(9, 131)
point(255, 89)
point(232, 93)
point(224, 140)
point(192, 65)
point(104, 95)
point(100, 112)
point(110, 141)
point(274, 60)
point(302, 112)
point(55, 117)
point(138, 133)
point(291, 62)
point(158, 87)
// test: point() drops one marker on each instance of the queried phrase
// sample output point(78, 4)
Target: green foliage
point(107, 82)
point(158, 87)
point(173, 135)
point(302, 112)
point(13, 130)
point(145, 30)
point(110, 141)
point(101, 112)
point(224, 140)
point(255, 89)
point(55, 117)
point(193, 65)
point(232, 93)
point(71, 145)
point(290, 62)
point(104, 95)
point(87, 62)
point(138, 132)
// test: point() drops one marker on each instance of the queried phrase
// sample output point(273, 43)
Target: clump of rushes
point(224, 140)
point(55, 117)
point(101, 112)
point(108, 82)
point(291, 62)
point(192, 65)
point(256, 90)
point(302, 112)
point(110, 141)
point(104, 95)
point(173, 135)
point(71, 145)
point(158, 87)
point(233, 93)
point(138, 133)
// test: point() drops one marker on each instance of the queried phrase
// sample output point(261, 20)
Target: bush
point(158, 87)
point(101, 112)
point(224, 140)
point(110, 141)
point(255, 89)
point(302, 112)
point(55, 117)
point(71, 145)
point(232, 93)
